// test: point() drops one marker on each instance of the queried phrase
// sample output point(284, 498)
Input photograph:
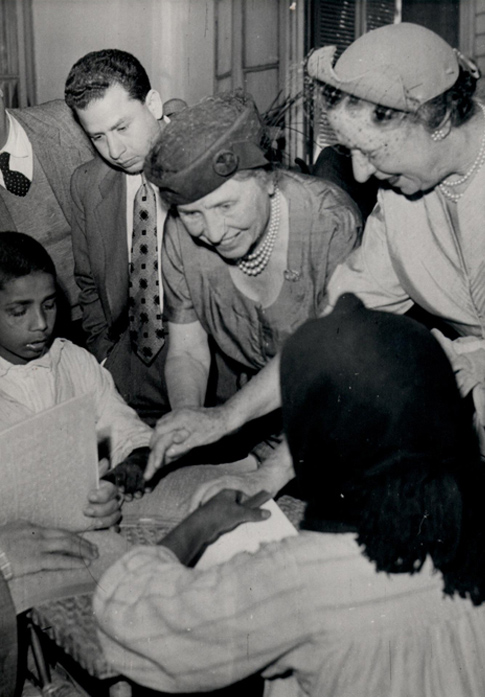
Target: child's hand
point(128, 475)
point(224, 512)
point(228, 509)
point(104, 506)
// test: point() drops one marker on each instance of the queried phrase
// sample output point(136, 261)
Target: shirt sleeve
point(369, 271)
point(178, 306)
point(181, 630)
point(117, 424)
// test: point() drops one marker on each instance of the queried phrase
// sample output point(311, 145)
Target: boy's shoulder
point(63, 348)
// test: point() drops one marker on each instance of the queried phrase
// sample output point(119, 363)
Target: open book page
point(48, 464)
point(248, 537)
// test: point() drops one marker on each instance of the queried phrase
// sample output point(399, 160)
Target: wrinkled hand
point(182, 430)
point(31, 548)
point(128, 476)
point(248, 484)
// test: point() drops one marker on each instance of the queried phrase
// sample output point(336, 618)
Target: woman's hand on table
point(104, 503)
point(271, 476)
point(248, 484)
point(182, 430)
point(30, 548)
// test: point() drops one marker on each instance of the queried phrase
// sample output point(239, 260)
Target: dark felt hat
point(204, 146)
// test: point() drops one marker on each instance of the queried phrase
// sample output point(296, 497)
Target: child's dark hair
point(21, 255)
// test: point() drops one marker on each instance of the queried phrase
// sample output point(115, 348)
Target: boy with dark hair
point(38, 370)
point(118, 221)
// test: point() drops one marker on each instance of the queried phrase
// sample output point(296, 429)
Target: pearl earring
point(438, 135)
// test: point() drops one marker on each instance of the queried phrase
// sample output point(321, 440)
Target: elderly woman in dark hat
point(247, 252)
point(358, 604)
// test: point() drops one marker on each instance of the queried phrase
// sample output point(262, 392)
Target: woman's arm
point(187, 365)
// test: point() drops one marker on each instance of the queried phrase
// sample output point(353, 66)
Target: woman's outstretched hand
point(178, 432)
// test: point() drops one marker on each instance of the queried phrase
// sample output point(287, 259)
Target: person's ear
point(154, 103)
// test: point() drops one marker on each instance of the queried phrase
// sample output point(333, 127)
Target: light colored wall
point(173, 39)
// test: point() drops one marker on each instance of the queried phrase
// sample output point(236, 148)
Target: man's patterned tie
point(15, 182)
point(146, 327)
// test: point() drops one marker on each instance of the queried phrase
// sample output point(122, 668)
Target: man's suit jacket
point(61, 145)
point(8, 642)
point(99, 237)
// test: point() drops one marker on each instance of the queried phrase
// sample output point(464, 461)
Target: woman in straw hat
point(402, 101)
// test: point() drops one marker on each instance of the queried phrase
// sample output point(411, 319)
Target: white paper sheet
point(48, 464)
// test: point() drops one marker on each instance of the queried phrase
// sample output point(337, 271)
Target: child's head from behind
point(27, 298)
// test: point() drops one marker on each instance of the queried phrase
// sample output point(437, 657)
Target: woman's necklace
point(445, 185)
point(253, 264)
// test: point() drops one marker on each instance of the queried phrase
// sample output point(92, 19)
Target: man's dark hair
point(21, 255)
point(95, 72)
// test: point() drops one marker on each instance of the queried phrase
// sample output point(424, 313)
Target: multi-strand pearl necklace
point(253, 264)
point(445, 185)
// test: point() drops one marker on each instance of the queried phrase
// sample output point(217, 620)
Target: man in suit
point(40, 147)
point(8, 641)
point(111, 96)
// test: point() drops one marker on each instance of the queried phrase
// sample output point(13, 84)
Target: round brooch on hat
point(225, 162)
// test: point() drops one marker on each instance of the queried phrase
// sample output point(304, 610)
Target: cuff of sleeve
point(5, 567)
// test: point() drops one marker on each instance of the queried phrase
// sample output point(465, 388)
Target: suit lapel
point(59, 145)
point(6, 221)
point(110, 214)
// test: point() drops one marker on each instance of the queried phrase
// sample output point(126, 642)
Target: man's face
point(27, 317)
point(123, 129)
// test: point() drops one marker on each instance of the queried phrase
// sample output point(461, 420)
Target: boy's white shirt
point(67, 371)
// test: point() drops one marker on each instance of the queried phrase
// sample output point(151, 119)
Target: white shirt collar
point(20, 149)
point(18, 144)
point(49, 360)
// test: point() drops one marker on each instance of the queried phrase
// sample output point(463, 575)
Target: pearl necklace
point(445, 185)
point(253, 264)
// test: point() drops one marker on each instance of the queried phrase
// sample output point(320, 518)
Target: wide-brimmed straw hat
point(401, 66)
